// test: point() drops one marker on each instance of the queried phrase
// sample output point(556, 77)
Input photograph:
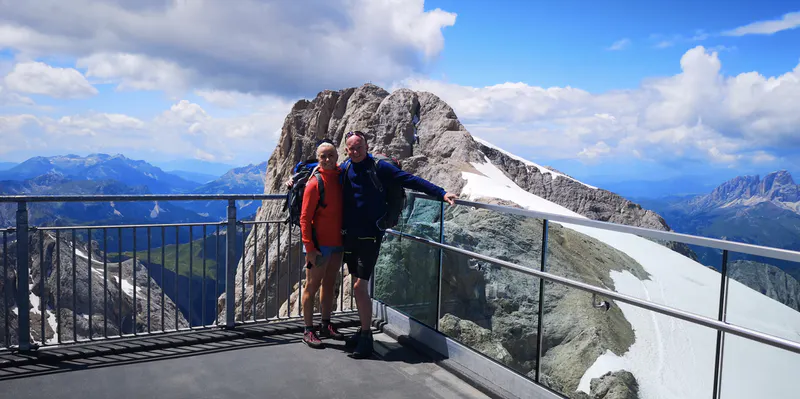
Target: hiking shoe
point(330, 332)
point(363, 348)
point(352, 341)
point(311, 339)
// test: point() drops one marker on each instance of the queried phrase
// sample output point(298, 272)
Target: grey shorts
point(325, 255)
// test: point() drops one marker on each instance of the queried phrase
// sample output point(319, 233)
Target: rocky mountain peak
point(777, 187)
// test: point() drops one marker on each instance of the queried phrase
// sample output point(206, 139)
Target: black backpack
point(394, 193)
point(294, 198)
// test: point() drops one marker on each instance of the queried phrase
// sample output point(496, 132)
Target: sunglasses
point(355, 133)
point(323, 141)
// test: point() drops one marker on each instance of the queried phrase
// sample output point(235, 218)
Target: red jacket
point(327, 221)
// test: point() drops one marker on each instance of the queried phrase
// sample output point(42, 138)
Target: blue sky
point(565, 43)
point(625, 90)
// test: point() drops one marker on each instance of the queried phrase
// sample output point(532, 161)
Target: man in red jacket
point(321, 229)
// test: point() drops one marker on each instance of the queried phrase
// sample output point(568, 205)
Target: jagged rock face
point(768, 280)
point(776, 187)
point(68, 306)
point(596, 204)
point(445, 149)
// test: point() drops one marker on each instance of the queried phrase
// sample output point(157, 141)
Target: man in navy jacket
point(364, 206)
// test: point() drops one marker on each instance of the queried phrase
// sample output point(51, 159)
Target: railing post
point(23, 294)
point(723, 315)
point(439, 272)
point(540, 321)
point(230, 267)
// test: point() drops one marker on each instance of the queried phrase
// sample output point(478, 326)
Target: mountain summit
point(777, 187)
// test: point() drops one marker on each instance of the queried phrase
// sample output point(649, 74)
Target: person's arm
point(408, 180)
point(310, 200)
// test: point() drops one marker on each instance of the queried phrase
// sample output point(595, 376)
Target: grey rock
point(768, 280)
point(96, 295)
point(776, 187)
point(616, 385)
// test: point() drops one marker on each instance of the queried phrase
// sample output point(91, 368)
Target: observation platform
point(256, 361)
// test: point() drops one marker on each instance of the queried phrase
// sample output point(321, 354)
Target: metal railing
point(141, 309)
point(719, 324)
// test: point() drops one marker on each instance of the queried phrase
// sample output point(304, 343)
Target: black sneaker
point(364, 347)
point(311, 339)
point(352, 341)
point(330, 332)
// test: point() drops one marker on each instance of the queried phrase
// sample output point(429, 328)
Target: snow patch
point(542, 169)
point(51, 320)
point(126, 286)
point(671, 358)
point(156, 211)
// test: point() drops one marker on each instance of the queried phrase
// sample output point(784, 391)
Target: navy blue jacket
point(364, 205)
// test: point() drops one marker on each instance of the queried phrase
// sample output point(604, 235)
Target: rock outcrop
point(768, 280)
point(69, 308)
point(493, 308)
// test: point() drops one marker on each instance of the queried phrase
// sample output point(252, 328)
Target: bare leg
point(313, 280)
point(363, 302)
point(326, 296)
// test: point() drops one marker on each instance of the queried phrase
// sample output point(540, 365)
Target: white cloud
point(135, 72)
point(698, 114)
point(8, 99)
point(184, 130)
point(279, 47)
point(620, 44)
point(40, 78)
point(787, 21)
point(94, 124)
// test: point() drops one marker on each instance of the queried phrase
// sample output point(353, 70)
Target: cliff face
point(477, 296)
point(72, 305)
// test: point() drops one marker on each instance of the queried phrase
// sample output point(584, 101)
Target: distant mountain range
point(745, 209)
point(102, 167)
point(102, 174)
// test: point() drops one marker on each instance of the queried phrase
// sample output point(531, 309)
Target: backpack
point(294, 198)
point(394, 193)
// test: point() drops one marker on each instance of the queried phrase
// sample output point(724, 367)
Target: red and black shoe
point(330, 332)
point(311, 339)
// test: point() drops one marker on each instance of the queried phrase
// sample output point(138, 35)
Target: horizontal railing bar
point(769, 252)
point(139, 197)
point(665, 310)
point(127, 226)
point(262, 222)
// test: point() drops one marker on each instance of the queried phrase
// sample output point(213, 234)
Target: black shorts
point(361, 255)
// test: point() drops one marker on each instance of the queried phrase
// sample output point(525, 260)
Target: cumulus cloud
point(280, 47)
point(787, 21)
point(40, 78)
point(698, 114)
point(136, 72)
point(183, 130)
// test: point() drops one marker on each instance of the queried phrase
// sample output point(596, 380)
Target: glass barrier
point(492, 309)
point(763, 295)
point(407, 273)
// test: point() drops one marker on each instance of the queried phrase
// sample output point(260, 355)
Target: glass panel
point(406, 275)
point(763, 295)
point(492, 309)
point(584, 336)
point(666, 357)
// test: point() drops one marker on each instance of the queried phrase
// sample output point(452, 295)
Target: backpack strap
point(373, 175)
point(321, 188)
